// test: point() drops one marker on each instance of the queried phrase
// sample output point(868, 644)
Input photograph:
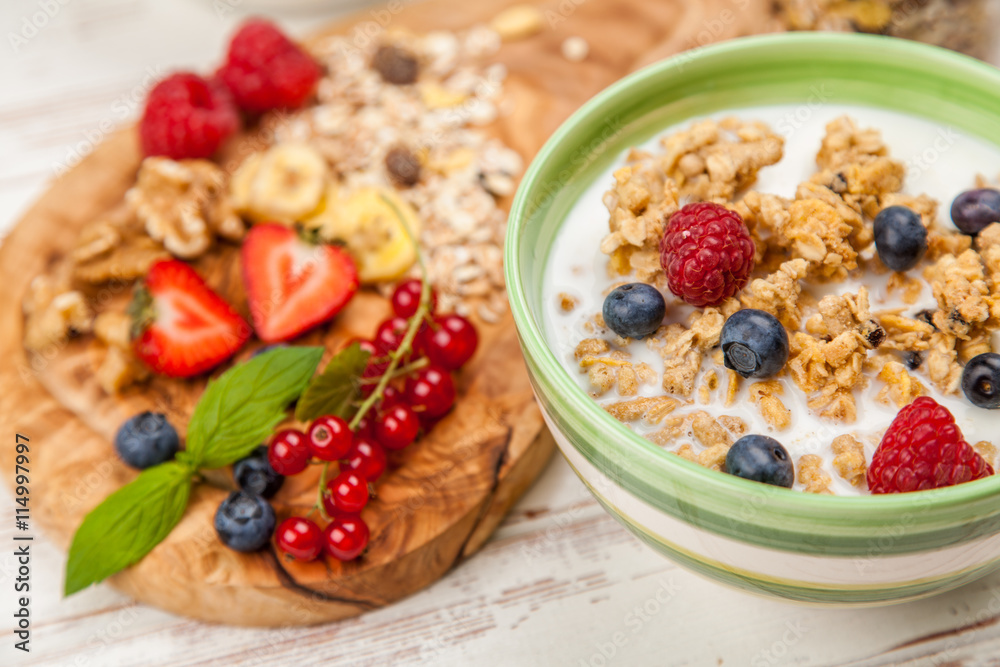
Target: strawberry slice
point(292, 285)
point(180, 327)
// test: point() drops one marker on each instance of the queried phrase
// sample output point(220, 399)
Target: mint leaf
point(336, 390)
point(239, 410)
point(128, 524)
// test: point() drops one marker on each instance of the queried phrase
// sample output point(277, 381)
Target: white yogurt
point(941, 162)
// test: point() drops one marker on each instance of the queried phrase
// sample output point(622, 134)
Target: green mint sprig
point(235, 414)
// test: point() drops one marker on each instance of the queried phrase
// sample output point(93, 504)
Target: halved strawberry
point(292, 285)
point(180, 327)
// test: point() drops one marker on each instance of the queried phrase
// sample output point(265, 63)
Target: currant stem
point(403, 371)
point(322, 489)
point(397, 355)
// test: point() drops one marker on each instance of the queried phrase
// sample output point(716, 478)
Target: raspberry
point(187, 117)
point(924, 449)
point(707, 253)
point(265, 70)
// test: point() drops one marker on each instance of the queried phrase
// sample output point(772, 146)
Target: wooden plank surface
point(560, 582)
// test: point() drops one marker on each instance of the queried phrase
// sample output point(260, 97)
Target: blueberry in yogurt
point(981, 380)
point(974, 210)
point(760, 458)
point(754, 343)
point(635, 310)
point(900, 237)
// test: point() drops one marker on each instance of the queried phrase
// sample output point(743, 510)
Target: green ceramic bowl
point(765, 539)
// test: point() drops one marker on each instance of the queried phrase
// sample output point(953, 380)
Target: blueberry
point(754, 343)
point(761, 459)
point(244, 521)
point(974, 210)
point(255, 474)
point(981, 380)
point(634, 310)
point(900, 238)
point(146, 440)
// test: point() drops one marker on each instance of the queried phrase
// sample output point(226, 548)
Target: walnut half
point(53, 313)
point(184, 205)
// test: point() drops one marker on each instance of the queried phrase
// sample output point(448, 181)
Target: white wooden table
point(560, 583)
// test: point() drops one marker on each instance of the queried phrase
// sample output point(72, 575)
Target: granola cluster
point(808, 246)
point(713, 436)
point(610, 367)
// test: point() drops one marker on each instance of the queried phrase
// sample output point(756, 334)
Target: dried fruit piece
point(395, 64)
point(403, 166)
point(518, 22)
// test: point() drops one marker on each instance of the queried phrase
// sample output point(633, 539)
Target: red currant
point(366, 458)
point(300, 538)
point(390, 334)
point(289, 452)
point(431, 392)
point(406, 298)
point(346, 537)
point(390, 397)
point(346, 493)
point(397, 427)
point(365, 428)
point(329, 438)
point(450, 342)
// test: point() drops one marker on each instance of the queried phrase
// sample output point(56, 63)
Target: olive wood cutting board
point(443, 496)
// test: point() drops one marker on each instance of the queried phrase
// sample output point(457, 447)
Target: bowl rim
point(637, 450)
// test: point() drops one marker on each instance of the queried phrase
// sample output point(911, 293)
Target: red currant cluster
point(420, 390)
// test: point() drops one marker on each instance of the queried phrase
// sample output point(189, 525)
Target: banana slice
point(285, 183)
point(370, 223)
point(325, 219)
point(241, 183)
